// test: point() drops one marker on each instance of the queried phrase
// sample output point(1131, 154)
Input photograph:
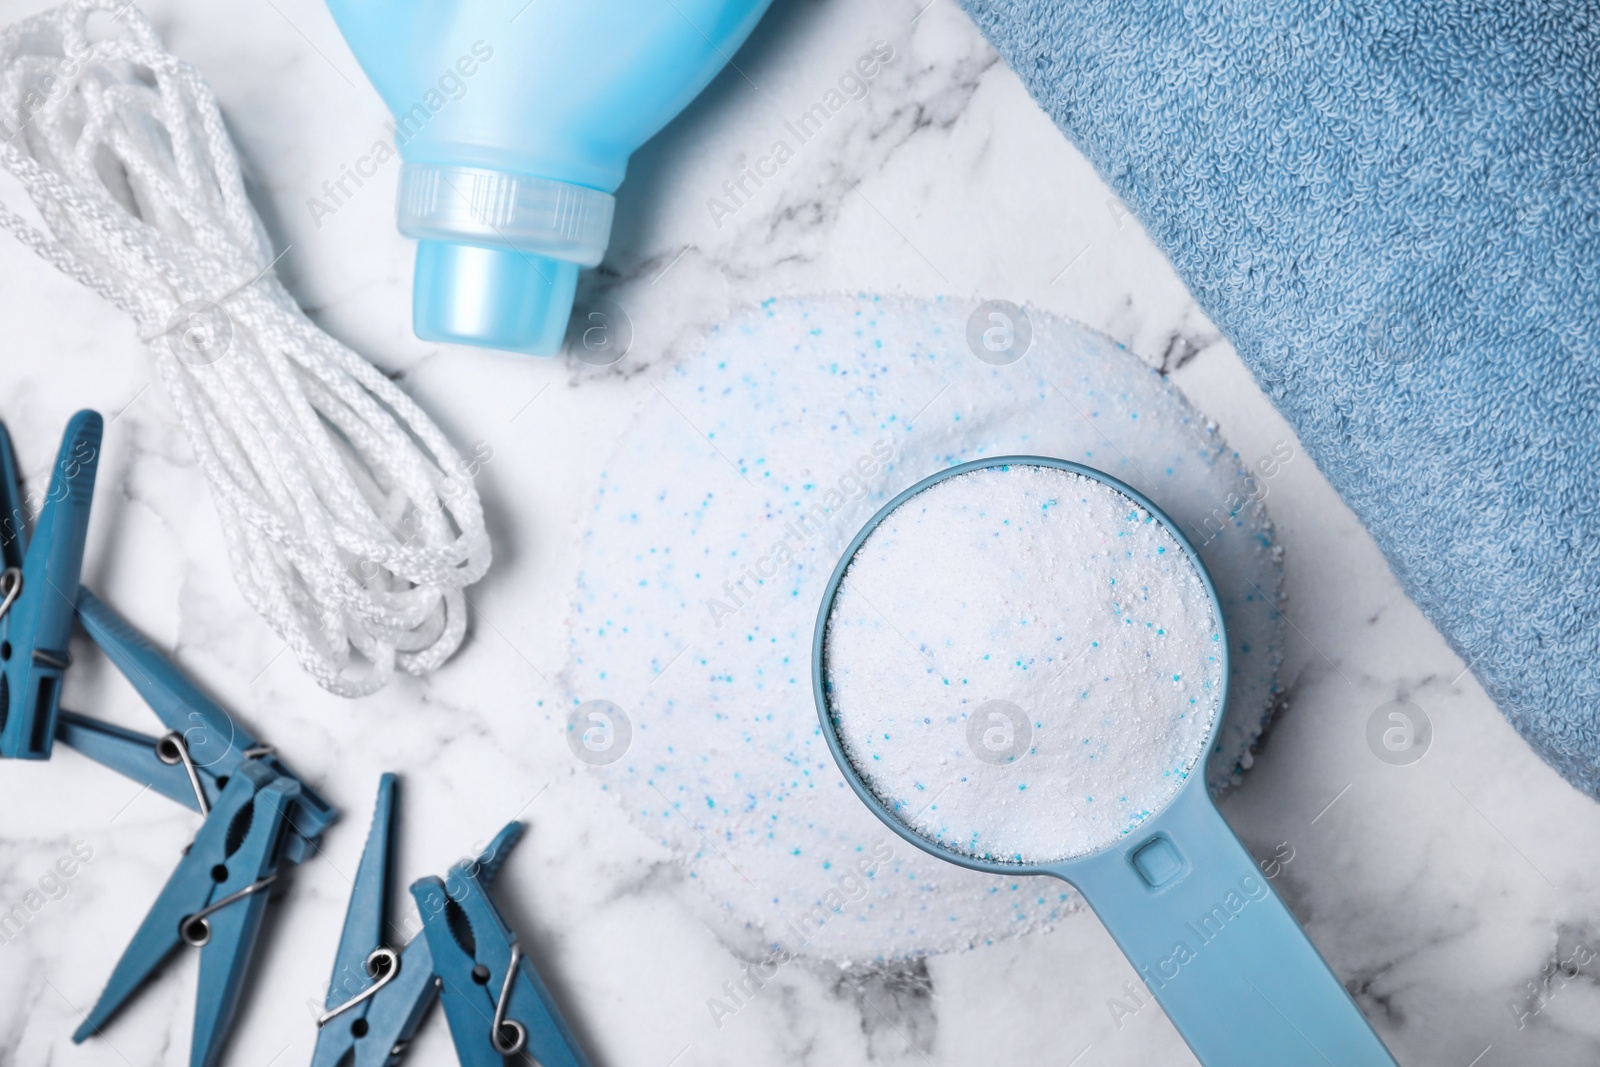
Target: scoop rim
point(819, 681)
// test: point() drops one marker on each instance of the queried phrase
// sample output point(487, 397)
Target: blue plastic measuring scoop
point(1182, 897)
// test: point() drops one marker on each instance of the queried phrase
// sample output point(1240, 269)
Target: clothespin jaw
point(494, 1000)
point(214, 901)
point(488, 863)
point(371, 1019)
point(37, 625)
point(216, 742)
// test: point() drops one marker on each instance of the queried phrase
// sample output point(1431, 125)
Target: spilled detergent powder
point(1023, 664)
point(706, 549)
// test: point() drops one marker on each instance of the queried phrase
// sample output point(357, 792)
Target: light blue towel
point(1393, 211)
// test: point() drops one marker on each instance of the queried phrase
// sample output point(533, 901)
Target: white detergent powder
point(707, 548)
point(1023, 664)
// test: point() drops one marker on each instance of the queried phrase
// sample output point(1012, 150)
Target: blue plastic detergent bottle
point(515, 119)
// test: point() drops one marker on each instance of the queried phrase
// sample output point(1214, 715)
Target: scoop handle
point(1217, 947)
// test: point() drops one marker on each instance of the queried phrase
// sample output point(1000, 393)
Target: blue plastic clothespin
point(204, 746)
point(378, 996)
point(39, 589)
point(258, 814)
point(496, 1004)
point(214, 901)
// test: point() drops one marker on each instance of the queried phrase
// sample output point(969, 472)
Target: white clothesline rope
point(351, 522)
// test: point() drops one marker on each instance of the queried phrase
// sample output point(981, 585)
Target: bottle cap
point(495, 297)
point(498, 258)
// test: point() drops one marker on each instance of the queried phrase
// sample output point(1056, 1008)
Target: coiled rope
point(352, 524)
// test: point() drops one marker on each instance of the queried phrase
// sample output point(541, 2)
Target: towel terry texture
point(1393, 212)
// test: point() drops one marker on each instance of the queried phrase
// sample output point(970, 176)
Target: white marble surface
point(1446, 893)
